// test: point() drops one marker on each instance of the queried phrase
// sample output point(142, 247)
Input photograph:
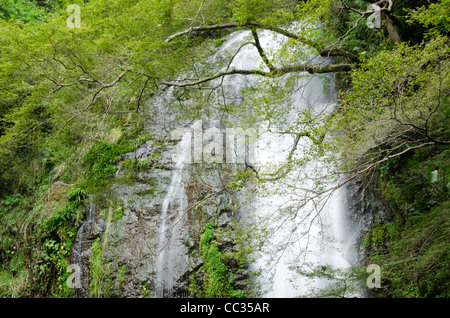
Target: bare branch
point(322, 51)
point(93, 99)
point(260, 50)
point(285, 170)
point(198, 12)
point(203, 28)
point(312, 69)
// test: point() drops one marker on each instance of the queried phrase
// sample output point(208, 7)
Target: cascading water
point(81, 249)
point(301, 228)
point(173, 210)
point(306, 230)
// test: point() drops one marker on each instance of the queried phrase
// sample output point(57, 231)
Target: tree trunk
point(392, 30)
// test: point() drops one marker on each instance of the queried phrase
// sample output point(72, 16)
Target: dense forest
point(77, 81)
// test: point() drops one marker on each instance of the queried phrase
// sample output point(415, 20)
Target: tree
point(64, 88)
point(398, 103)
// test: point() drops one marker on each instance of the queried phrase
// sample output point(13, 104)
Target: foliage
point(205, 239)
point(381, 113)
point(140, 165)
point(118, 213)
point(100, 160)
point(107, 279)
point(37, 260)
point(436, 16)
point(217, 279)
point(341, 282)
point(25, 10)
point(72, 101)
point(96, 269)
point(414, 239)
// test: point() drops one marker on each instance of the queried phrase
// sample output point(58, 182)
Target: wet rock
point(365, 208)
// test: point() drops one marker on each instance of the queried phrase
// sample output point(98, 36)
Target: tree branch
point(322, 51)
point(285, 170)
point(277, 72)
point(203, 28)
point(260, 50)
point(94, 98)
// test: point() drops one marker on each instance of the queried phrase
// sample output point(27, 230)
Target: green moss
point(218, 279)
point(35, 242)
point(219, 42)
point(120, 279)
point(107, 279)
point(96, 269)
point(100, 160)
point(145, 291)
point(367, 240)
point(378, 235)
point(205, 239)
point(118, 213)
point(217, 283)
point(99, 163)
point(140, 165)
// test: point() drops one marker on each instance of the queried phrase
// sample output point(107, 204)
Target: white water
point(170, 251)
point(79, 250)
point(301, 229)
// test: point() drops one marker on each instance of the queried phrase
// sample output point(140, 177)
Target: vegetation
point(74, 100)
point(411, 245)
point(217, 279)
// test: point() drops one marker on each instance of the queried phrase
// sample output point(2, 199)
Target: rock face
point(129, 228)
point(88, 231)
point(365, 209)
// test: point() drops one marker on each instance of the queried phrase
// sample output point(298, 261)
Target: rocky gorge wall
point(117, 244)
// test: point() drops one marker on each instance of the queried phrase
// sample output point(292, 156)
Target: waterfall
point(81, 249)
point(297, 230)
point(170, 252)
point(300, 231)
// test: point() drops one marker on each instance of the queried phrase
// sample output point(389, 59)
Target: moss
point(96, 269)
point(120, 279)
point(114, 279)
point(55, 236)
point(107, 279)
point(218, 42)
point(205, 239)
point(145, 291)
point(218, 279)
point(35, 241)
point(118, 213)
point(136, 164)
point(193, 289)
point(367, 240)
point(99, 161)
point(217, 283)
point(378, 235)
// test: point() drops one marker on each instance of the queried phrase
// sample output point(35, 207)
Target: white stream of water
point(167, 268)
point(79, 250)
point(301, 229)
